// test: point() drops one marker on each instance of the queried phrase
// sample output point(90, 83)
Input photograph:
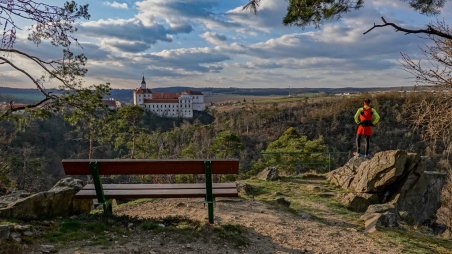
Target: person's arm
point(357, 115)
point(376, 117)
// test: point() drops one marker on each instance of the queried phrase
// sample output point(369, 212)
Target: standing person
point(365, 117)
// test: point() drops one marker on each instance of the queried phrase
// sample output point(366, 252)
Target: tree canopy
point(292, 150)
point(304, 13)
point(50, 24)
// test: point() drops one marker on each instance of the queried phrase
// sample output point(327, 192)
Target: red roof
point(161, 100)
point(165, 96)
point(140, 90)
point(110, 103)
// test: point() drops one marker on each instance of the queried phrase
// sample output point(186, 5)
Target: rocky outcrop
point(268, 174)
point(393, 178)
point(58, 201)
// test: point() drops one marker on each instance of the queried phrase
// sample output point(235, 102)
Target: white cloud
point(176, 12)
point(214, 38)
point(117, 5)
point(131, 34)
point(269, 16)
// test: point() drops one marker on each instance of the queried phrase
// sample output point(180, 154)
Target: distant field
point(22, 97)
point(238, 98)
point(233, 98)
point(286, 99)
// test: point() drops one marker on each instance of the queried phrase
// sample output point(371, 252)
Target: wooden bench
point(103, 192)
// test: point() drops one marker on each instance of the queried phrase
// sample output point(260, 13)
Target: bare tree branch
point(12, 108)
point(430, 30)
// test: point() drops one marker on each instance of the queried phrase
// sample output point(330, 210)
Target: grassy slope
point(311, 197)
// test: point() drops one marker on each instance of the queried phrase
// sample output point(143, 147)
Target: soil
point(269, 229)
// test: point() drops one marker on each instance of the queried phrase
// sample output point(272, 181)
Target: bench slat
point(146, 167)
point(168, 193)
point(161, 186)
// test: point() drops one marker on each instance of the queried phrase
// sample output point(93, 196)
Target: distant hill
point(30, 95)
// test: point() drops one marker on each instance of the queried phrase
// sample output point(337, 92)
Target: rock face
point(395, 178)
point(268, 174)
point(58, 201)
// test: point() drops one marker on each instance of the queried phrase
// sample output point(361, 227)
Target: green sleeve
point(376, 117)
point(357, 115)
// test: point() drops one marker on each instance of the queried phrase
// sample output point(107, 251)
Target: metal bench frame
point(107, 206)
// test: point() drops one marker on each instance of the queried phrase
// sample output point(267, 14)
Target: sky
point(214, 43)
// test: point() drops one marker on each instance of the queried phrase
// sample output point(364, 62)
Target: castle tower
point(141, 94)
point(143, 84)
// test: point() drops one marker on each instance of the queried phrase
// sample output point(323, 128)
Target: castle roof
point(165, 96)
point(142, 90)
point(161, 100)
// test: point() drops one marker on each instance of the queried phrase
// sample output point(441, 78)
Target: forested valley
point(316, 131)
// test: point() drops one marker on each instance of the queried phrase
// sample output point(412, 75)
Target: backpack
point(366, 117)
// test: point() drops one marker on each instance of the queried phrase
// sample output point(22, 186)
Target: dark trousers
point(358, 143)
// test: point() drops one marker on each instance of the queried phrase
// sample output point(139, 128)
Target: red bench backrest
point(149, 167)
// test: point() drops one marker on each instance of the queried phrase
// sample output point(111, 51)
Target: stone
point(5, 231)
point(268, 174)
point(47, 248)
point(420, 195)
point(16, 237)
point(245, 189)
point(181, 204)
point(378, 220)
point(28, 233)
point(58, 201)
point(378, 173)
point(21, 228)
point(394, 178)
point(12, 197)
point(282, 201)
point(358, 202)
point(378, 208)
point(344, 175)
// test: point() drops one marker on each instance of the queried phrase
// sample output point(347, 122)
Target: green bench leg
point(209, 194)
point(106, 204)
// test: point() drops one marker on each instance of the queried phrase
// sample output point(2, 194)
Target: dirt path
point(270, 230)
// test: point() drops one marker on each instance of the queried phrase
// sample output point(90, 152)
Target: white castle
point(179, 105)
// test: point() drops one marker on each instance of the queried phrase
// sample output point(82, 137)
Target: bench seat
point(126, 191)
point(169, 193)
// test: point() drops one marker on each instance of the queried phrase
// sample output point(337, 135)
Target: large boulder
point(344, 175)
point(391, 177)
point(58, 201)
point(420, 195)
point(358, 201)
point(381, 171)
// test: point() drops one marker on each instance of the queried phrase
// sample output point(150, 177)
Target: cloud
point(126, 46)
point(140, 36)
point(214, 38)
point(166, 64)
point(176, 12)
point(189, 59)
point(117, 5)
point(269, 16)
